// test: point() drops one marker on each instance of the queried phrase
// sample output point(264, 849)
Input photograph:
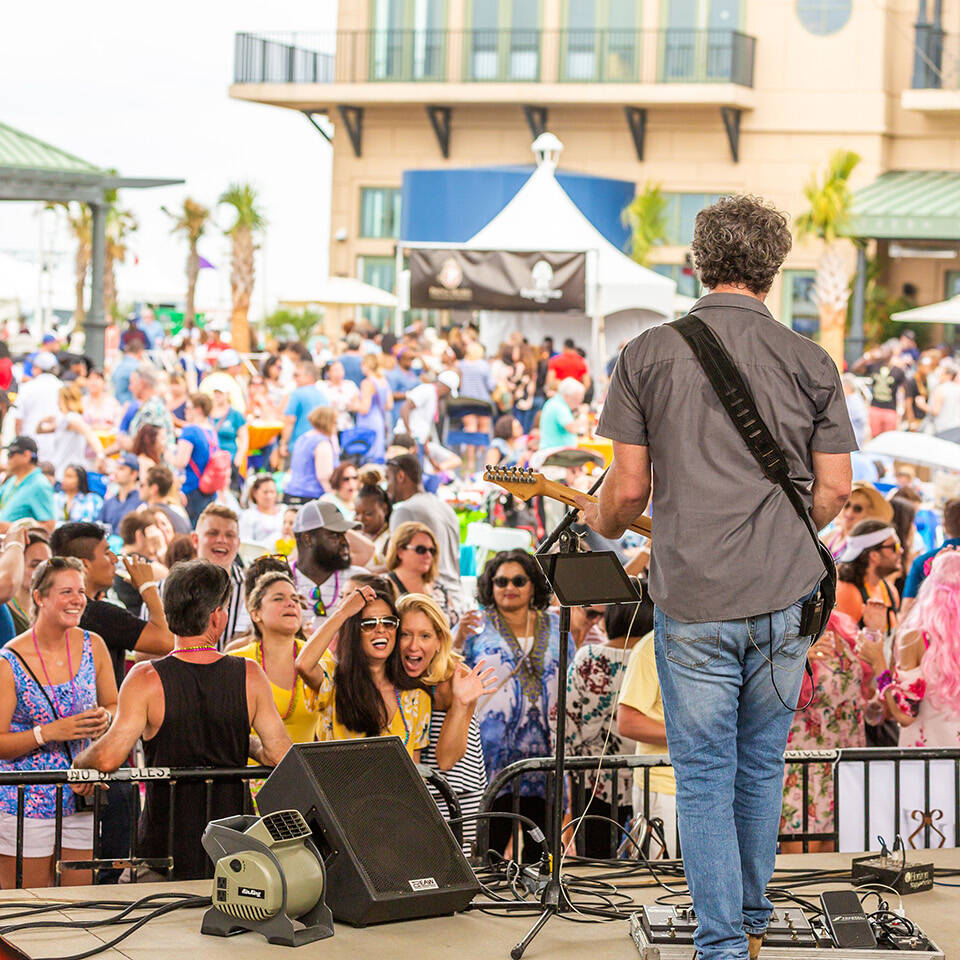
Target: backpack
point(216, 474)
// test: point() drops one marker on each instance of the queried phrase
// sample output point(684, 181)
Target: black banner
point(544, 281)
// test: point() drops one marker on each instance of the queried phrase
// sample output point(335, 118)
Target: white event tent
point(623, 298)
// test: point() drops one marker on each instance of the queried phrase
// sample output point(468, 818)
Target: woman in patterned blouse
point(593, 684)
point(519, 639)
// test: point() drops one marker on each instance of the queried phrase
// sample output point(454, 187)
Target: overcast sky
point(144, 89)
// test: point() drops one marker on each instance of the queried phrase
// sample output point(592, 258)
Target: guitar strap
point(737, 400)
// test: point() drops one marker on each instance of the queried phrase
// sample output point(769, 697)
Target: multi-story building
point(699, 96)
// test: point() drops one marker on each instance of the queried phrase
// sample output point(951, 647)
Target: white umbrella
point(919, 448)
point(946, 311)
point(343, 291)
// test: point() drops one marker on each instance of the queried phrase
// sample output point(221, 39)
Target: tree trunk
point(80, 281)
point(833, 323)
point(193, 271)
point(831, 291)
point(241, 286)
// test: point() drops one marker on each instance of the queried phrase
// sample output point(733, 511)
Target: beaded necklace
point(406, 727)
point(73, 689)
point(296, 679)
point(18, 608)
point(204, 646)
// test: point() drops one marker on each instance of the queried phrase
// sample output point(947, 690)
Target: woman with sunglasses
point(412, 565)
point(864, 503)
point(57, 692)
point(519, 639)
point(365, 693)
point(455, 747)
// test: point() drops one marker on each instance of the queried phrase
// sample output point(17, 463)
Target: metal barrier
point(862, 762)
point(209, 776)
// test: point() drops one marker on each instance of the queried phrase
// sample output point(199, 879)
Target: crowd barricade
point(140, 776)
point(876, 791)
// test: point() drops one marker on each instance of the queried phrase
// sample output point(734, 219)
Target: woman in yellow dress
point(366, 693)
point(276, 614)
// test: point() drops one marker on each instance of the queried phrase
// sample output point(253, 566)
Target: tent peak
point(547, 149)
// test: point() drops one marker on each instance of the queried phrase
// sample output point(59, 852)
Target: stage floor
point(472, 935)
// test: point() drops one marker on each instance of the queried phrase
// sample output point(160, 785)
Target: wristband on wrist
point(883, 681)
point(38, 735)
point(147, 586)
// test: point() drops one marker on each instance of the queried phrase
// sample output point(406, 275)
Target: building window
point(823, 17)
point(380, 211)
point(378, 272)
point(951, 284)
point(800, 313)
point(682, 210)
point(688, 285)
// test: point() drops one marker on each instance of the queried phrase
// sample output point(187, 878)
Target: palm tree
point(646, 216)
point(120, 224)
point(831, 203)
point(80, 223)
point(191, 220)
point(249, 222)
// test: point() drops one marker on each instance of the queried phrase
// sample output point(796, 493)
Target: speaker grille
point(286, 825)
point(378, 798)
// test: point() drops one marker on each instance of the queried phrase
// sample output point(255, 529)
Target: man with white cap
point(224, 378)
point(324, 565)
point(872, 554)
point(420, 409)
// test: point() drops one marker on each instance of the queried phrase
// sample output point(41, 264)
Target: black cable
point(189, 902)
point(532, 827)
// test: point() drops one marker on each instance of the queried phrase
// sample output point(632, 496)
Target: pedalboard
point(892, 872)
point(666, 933)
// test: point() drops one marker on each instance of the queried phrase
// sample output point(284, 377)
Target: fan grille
point(286, 825)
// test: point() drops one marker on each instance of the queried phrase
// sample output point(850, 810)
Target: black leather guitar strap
point(738, 401)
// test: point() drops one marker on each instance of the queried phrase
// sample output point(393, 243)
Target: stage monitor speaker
point(388, 852)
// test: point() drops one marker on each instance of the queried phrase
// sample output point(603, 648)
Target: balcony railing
point(506, 56)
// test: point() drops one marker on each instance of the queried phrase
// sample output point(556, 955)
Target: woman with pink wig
point(833, 718)
point(923, 694)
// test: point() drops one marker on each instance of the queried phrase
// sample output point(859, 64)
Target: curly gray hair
point(740, 240)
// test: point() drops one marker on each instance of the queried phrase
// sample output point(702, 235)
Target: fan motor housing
point(248, 885)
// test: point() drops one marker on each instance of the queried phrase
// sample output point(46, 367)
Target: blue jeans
point(726, 733)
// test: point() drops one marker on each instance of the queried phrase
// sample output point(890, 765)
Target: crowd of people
point(207, 557)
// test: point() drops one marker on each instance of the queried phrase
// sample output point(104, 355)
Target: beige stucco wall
point(812, 95)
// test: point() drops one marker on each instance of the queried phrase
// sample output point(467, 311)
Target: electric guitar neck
point(525, 484)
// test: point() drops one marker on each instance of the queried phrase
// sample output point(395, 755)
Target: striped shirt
point(238, 619)
point(467, 777)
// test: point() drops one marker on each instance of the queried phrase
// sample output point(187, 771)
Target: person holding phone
point(57, 693)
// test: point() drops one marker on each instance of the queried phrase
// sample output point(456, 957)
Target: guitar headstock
point(522, 482)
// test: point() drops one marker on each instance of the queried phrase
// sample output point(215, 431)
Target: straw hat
point(879, 509)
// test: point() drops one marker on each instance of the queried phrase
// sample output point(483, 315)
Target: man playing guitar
point(731, 563)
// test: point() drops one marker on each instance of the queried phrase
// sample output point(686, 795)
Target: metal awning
point(908, 205)
point(31, 169)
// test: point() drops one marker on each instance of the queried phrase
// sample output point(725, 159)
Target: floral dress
point(33, 708)
point(834, 719)
point(936, 725)
point(592, 680)
point(516, 719)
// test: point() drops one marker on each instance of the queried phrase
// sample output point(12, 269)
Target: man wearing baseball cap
point(26, 493)
point(125, 496)
point(324, 563)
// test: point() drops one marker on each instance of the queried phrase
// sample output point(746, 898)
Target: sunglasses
point(504, 582)
point(854, 507)
point(422, 550)
point(319, 607)
point(895, 547)
point(592, 614)
point(369, 624)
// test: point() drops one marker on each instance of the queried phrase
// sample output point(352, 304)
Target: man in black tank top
point(193, 708)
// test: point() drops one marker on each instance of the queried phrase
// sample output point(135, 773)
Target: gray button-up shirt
point(727, 544)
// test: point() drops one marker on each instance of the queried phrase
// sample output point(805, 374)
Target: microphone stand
point(554, 898)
